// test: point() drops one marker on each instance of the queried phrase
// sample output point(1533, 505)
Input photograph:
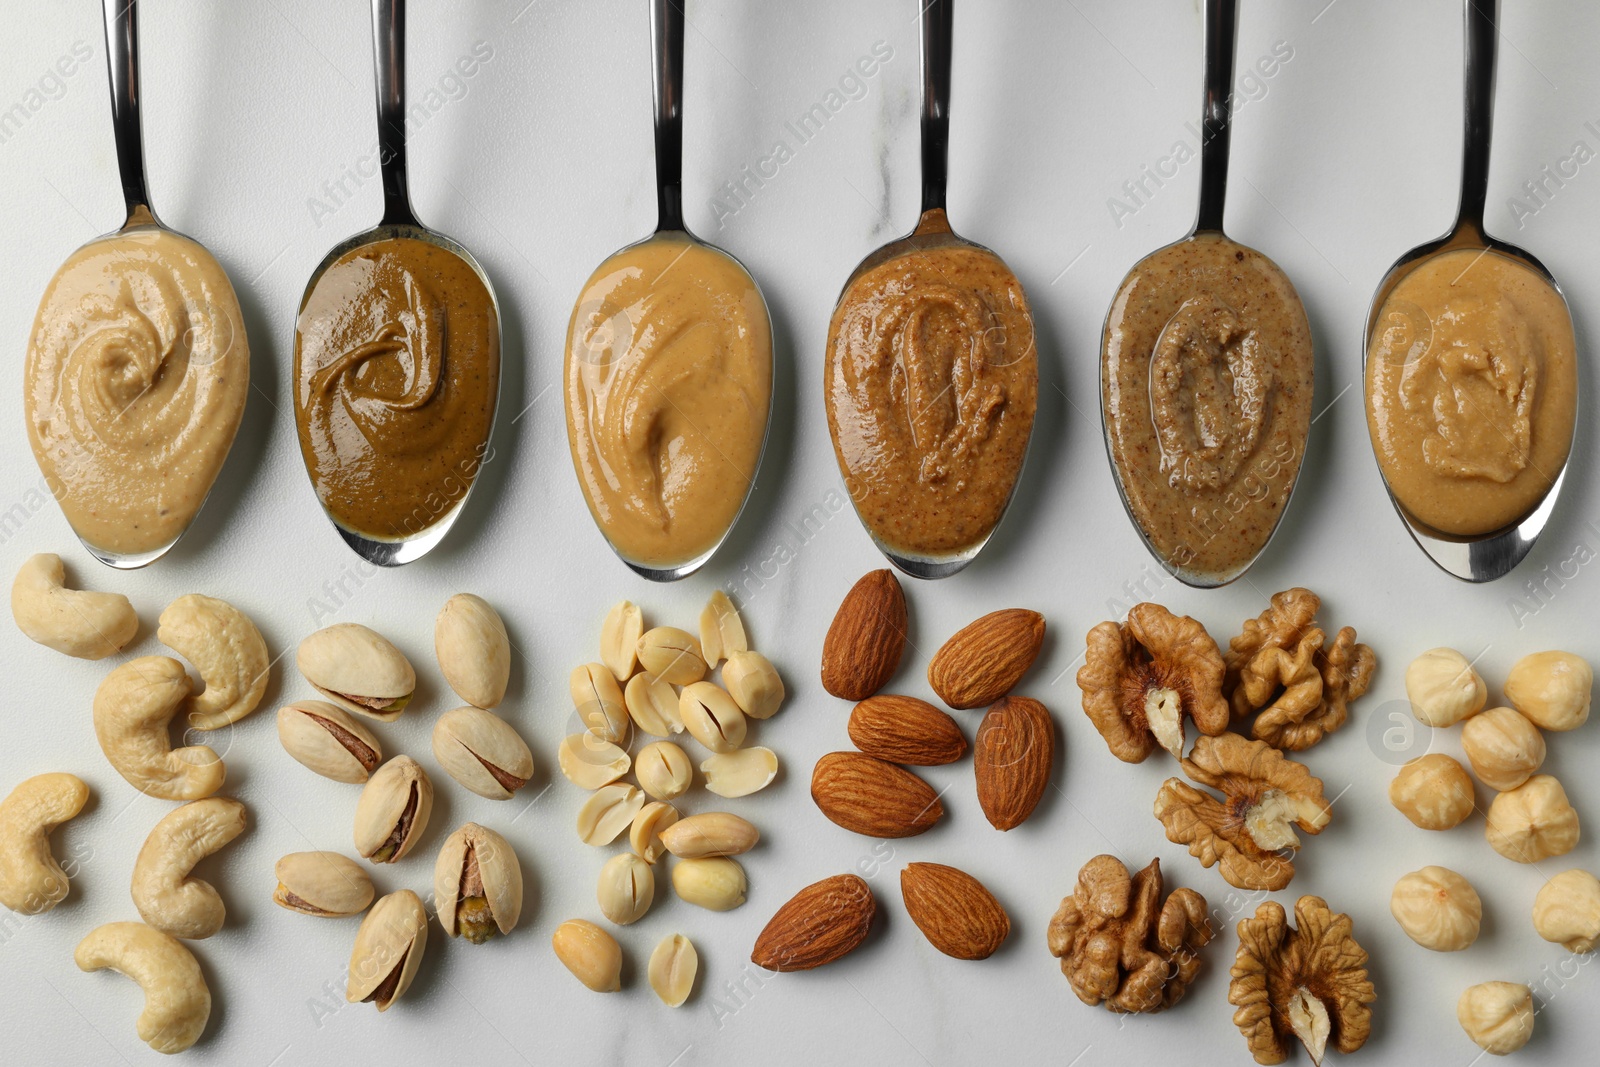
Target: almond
point(1012, 754)
point(904, 729)
point(868, 634)
point(873, 797)
point(985, 659)
point(819, 924)
point(957, 915)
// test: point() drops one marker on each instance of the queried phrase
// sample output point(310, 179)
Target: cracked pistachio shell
point(753, 683)
point(473, 650)
point(393, 810)
point(671, 655)
point(608, 812)
point(590, 762)
point(598, 698)
point(619, 639)
point(663, 770)
point(477, 884)
point(652, 705)
point(672, 969)
point(626, 889)
point(358, 669)
point(711, 716)
point(738, 774)
point(329, 741)
point(388, 950)
point(325, 884)
point(481, 751)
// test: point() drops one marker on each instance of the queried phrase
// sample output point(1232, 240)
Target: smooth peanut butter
point(931, 385)
point(668, 386)
point(1471, 390)
point(1206, 378)
point(137, 374)
point(397, 372)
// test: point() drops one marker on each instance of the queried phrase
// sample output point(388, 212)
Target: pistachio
point(664, 770)
point(358, 669)
point(753, 683)
point(393, 810)
point(738, 774)
point(477, 884)
point(324, 884)
point(619, 639)
point(644, 836)
point(590, 762)
point(388, 950)
point(473, 650)
point(608, 812)
point(599, 701)
point(627, 887)
point(328, 740)
point(591, 954)
point(711, 833)
point(716, 884)
point(721, 630)
point(672, 969)
point(671, 655)
point(480, 750)
point(652, 705)
point(711, 716)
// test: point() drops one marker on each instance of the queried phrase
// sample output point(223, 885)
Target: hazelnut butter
point(668, 386)
point(1206, 377)
point(137, 374)
point(1471, 390)
point(396, 375)
point(931, 385)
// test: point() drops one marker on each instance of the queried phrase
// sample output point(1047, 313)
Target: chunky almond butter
point(903, 729)
point(985, 659)
point(873, 797)
point(819, 924)
point(864, 643)
point(1012, 756)
point(957, 915)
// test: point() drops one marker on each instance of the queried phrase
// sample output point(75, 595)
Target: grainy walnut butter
point(932, 381)
point(1471, 390)
point(137, 374)
point(668, 383)
point(1206, 377)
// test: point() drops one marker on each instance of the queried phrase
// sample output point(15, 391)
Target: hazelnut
point(1433, 791)
point(1533, 821)
point(1498, 1016)
point(1567, 910)
point(1443, 688)
point(1437, 908)
point(1503, 747)
point(1551, 688)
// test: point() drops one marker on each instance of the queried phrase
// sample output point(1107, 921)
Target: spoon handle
point(666, 44)
point(122, 58)
point(389, 51)
point(1221, 34)
point(1480, 44)
point(937, 18)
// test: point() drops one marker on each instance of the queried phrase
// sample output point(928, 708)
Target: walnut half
point(1140, 678)
point(1308, 982)
point(1265, 796)
point(1120, 945)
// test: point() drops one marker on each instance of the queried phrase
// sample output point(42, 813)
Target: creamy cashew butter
point(137, 374)
point(1206, 379)
point(931, 384)
point(668, 385)
point(1472, 386)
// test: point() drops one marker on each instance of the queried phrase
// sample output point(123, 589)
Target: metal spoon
point(666, 47)
point(399, 221)
point(1488, 556)
point(1220, 33)
point(932, 231)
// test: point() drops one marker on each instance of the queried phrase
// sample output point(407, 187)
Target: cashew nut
point(79, 622)
point(165, 895)
point(31, 881)
point(132, 708)
point(227, 650)
point(177, 1002)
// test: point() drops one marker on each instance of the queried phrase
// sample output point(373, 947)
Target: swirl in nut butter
point(137, 374)
point(668, 383)
point(397, 363)
point(931, 386)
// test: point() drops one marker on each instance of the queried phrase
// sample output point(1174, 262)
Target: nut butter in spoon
point(396, 358)
point(138, 366)
point(668, 370)
point(1206, 374)
point(932, 378)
